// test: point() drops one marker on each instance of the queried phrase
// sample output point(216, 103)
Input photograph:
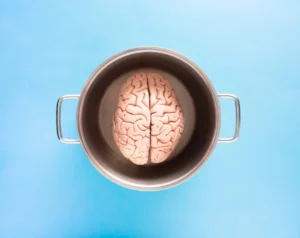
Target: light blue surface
point(250, 188)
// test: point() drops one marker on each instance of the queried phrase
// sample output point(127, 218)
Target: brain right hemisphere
point(148, 121)
point(167, 121)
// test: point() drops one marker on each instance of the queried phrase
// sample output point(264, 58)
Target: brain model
point(148, 121)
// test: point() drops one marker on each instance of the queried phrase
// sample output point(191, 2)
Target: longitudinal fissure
point(150, 119)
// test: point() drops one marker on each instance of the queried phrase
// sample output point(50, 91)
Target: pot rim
point(123, 182)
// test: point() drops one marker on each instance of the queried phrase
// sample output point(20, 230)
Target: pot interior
point(98, 103)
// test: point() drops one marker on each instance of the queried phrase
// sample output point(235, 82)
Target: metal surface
point(198, 100)
point(237, 117)
point(58, 119)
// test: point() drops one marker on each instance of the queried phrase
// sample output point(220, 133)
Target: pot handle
point(58, 120)
point(237, 117)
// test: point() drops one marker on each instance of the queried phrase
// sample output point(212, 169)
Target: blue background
point(250, 188)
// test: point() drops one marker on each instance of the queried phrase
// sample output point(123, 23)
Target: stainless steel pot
point(198, 100)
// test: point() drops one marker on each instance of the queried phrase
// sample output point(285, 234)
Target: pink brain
point(148, 121)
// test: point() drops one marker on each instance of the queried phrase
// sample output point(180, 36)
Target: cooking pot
point(197, 98)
